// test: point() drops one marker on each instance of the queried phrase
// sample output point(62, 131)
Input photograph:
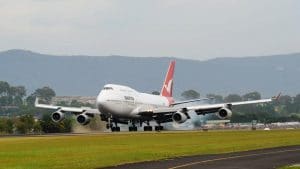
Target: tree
point(190, 94)
point(297, 103)
point(233, 98)
point(2, 125)
point(49, 126)
point(216, 98)
point(17, 91)
point(9, 126)
point(155, 93)
point(37, 128)
point(11, 95)
point(285, 100)
point(252, 96)
point(44, 93)
point(75, 103)
point(6, 125)
point(6, 100)
point(4, 88)
point(25, 124)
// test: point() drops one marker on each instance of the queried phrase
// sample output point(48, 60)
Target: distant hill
point(86, 75)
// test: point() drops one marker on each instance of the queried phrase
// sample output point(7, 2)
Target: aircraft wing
point(212, 108)
point(74, 110)
point(203, 108)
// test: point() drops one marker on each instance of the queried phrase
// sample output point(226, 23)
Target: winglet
point(276, 98)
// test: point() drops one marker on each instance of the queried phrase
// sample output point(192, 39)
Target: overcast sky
point(198, 29)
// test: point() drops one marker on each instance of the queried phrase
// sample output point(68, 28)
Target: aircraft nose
point(101, 98)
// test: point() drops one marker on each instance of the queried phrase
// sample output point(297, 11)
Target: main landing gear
point(133, 127)
point(113, 125)
point(159, 128)
point(148, 127)
point(114, 128)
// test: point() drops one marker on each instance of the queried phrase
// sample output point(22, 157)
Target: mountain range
point(86, 75)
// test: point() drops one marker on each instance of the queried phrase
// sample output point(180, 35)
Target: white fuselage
point(123, 101)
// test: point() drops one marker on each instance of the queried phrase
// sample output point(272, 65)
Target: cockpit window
point(107, 88)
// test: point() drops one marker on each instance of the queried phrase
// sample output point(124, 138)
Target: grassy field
point(98, 150)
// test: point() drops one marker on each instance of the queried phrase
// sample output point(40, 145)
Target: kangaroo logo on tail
point(169, 86)
point(167, 89)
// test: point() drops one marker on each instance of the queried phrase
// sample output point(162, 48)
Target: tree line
point(19, 116)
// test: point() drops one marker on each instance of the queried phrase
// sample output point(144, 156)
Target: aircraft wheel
point(159, 128)
point(147, 128)
point(132, 128)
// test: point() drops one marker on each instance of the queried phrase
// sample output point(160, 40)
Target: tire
point(159, 128)
point(147, 128)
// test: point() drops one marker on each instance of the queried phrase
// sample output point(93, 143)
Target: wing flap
point(190, 101)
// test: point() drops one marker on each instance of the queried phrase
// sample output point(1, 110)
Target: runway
point(256, 159)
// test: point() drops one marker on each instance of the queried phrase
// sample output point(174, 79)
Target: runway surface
point(257, 159)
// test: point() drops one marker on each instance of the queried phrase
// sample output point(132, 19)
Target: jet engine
point(179, 117)
point(224, 113)
point(83, 119)
point(58, 116)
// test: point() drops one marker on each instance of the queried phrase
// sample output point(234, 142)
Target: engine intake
point(179, 117)
point(58, 116)
point(224, 113)
point(83, 119)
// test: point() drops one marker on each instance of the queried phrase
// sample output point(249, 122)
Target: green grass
point(94, 151)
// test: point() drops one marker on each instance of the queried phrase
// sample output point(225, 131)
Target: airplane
point(118, 104)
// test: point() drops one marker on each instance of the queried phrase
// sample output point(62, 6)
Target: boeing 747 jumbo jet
point(117, 104)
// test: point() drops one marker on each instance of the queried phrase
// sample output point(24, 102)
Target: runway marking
point(229, 158)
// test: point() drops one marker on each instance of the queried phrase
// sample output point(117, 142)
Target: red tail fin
point(167, 89)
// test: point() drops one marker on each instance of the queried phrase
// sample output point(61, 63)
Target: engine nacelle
point(58, 116)
point(83, 119)
point(179, 117)
point(224, 113)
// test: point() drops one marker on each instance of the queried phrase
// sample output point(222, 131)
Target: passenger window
point(129, 98)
